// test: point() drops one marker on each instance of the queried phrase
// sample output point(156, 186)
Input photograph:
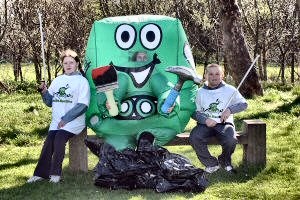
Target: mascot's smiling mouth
point(139, 75)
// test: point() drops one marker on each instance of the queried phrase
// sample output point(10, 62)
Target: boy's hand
point(225, 115)
point(210, 122)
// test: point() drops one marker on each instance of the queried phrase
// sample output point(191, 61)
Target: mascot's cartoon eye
point(151, 36)
point(125, 36)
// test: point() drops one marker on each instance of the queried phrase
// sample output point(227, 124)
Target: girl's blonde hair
point(73, 54)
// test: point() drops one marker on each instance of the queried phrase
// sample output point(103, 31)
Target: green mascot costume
point(140, 48)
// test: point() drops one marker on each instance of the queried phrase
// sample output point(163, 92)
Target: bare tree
point(210, 25)
point(295, 45)
point(3, 18)
point(285, 30)
point(236, 51)
point(3, 24)
point(66, 24)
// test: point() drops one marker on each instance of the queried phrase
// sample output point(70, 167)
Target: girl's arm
point(47, 98)
point(76, 111)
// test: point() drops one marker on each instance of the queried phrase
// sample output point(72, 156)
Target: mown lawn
point(24, 122)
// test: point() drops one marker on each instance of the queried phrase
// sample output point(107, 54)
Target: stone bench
point(252, 138)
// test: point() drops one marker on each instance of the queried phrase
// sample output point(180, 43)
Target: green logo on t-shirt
point(62, 96)
point(213, 107)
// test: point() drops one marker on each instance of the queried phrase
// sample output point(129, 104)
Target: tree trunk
point(237, 54)
point(37, 69)
point(282, 67)
point(48, 69)
point(4, 16)
point(264, 62)
point(17, 67)
point(260, 68)
point(4, 87)
point(293, 68)
point(20, 70)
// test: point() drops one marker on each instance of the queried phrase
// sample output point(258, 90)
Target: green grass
point(6, 73)
point(25, 120)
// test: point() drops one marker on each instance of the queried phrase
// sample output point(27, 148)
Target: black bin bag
point(148, 166)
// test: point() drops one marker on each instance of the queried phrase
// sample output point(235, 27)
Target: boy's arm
point(238, 107)
point(199, 117)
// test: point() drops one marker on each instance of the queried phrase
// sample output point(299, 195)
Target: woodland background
point(229, 32)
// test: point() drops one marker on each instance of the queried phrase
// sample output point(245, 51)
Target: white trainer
point(228, 168)
point(34, 179)
point(212, 169)
point(54, 179)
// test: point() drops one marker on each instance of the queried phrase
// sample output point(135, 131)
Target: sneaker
point(230, 169)
point(54, 179)
point(212, 169)
point(34, 179)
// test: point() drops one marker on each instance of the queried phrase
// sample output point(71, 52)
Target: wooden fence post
point(78, 160)
point(255, 149)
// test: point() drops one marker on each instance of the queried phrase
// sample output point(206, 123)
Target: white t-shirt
point(67, 91)
point(213, 102)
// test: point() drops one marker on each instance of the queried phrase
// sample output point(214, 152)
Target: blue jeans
point(53, 153)
point(225, 133)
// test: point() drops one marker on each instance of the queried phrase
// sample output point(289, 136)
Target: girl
point(69, 96)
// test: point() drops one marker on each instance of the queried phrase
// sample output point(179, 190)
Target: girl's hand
point(42, 88)
point(61, 124)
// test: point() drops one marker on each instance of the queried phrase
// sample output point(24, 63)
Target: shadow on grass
point(21, 162)
point(80, 186)
point(41, 132)
point(11, 134)
point(285, 108)
point(243, 175)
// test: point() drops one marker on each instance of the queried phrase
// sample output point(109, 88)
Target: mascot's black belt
point(137, 107)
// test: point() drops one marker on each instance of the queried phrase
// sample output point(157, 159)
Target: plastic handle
point(113, 111)
point(169, 102)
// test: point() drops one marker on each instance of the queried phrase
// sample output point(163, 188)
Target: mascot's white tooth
point(140, 76)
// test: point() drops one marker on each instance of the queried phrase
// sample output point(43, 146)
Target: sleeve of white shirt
point(238, 98)
point(84, 93)
point(50, 89)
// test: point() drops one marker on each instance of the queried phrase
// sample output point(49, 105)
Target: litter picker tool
point(242, 81)
point(42, 46)
point(106, 80)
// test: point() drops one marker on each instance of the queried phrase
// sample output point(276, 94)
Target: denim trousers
point(225, 133)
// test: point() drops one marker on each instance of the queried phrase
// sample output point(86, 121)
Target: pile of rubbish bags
point(147, 166)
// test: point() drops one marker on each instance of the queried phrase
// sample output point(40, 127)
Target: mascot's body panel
point(140, 48)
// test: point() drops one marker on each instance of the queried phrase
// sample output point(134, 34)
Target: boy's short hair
point(214, 65)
